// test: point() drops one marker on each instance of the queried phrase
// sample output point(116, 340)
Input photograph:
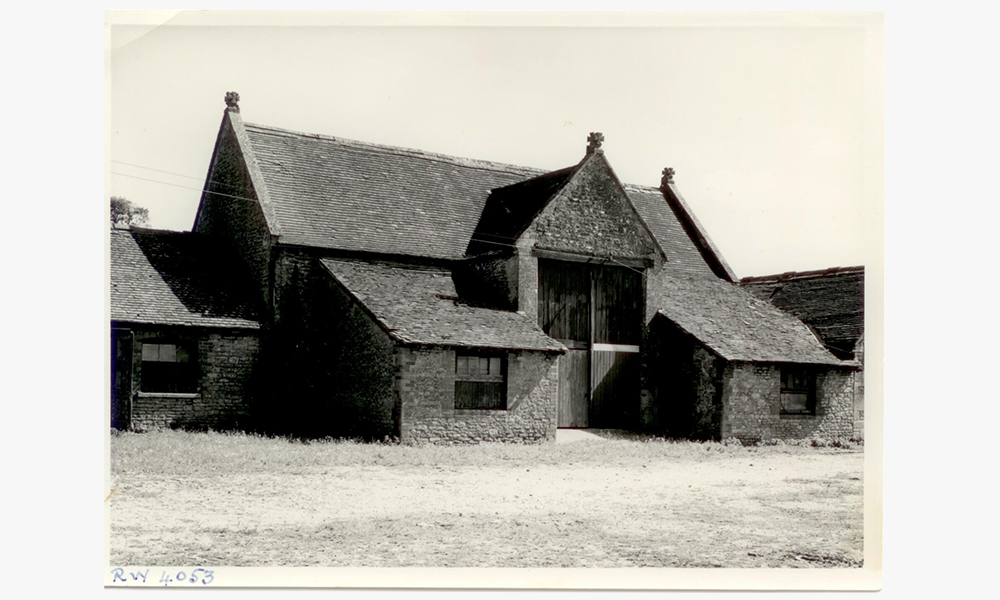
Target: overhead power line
point(121, 162)
point(473, 237)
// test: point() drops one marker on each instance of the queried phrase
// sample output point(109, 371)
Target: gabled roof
point(510, 210)
point(683, 255)
point(697, 232)
point(174, 278)
point(334, 193)
point(737, 325)
point(831, 301)
point(341, 194)
point(418, 305)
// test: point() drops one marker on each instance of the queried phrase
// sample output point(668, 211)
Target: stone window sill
point(177, 395)
point(797, 416)
point(462, 412)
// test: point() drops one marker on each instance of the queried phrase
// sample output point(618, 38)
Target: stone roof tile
point(335, 193)
point(831, 301)
point(174, 278)
point(738, 325)
point(419, 305)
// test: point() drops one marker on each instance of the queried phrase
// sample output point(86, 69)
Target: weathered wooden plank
point(615, 348)
point(596, 311)
point(574, 386)
point(615, 389)
point(564, 300)
point(618, 294)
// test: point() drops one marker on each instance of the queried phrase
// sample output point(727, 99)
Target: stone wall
point(752, 411)
point(592, 215)
point(859, 392)
point(228, 370)
point(333, 366)
point(488, 280)
point(237, 221)
point(425, 386)
point(525, 267)
point(683, 398)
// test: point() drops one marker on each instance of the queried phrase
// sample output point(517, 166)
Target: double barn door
point(596, 312)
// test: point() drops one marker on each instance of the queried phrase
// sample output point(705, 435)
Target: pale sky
point(770, 125)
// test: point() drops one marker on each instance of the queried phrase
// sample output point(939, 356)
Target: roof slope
point(739, 326)
point(335, 193)
point(510, 210)
point(683, 256)
point(831, 301)
point(419, 305)
point(174, 278)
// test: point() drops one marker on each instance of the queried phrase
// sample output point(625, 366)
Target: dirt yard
point(234, 500)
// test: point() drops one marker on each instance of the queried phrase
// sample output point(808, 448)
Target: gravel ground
point(629, 506)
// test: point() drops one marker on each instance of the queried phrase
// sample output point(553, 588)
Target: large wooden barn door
point(614, 374)
point(564, 314)
point(596, 312)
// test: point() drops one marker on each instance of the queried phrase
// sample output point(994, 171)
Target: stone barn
point(832, 303)
point(430, 298)
point(185, 333)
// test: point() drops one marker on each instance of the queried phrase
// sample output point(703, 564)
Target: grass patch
point(182, 452)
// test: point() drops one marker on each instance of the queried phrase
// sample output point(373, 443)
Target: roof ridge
point(150, 230)
point(641, 187)
point(803, 274)
point(473, 163)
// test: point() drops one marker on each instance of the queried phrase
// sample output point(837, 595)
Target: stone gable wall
point(751, 404)
point(592, 215)
point(239, 220)
point(229, 370)
point(425, 386)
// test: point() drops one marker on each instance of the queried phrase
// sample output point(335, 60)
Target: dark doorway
point(121, 378)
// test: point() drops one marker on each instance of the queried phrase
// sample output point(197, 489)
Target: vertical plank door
point(564, 314)
point(617, 294)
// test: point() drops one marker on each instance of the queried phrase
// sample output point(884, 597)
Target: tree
point(124, 212)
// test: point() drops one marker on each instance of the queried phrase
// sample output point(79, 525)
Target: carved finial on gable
point(233, 101)
point(668, 177)
point(594, 141)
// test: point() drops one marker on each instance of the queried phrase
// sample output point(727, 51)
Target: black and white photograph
point(486, 300)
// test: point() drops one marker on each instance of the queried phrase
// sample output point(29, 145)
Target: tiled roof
point(335, 193)
point(683, 256)
point(173, 278)
point(418, 305)
point(831, 301)
point(738, 325)
point(510, 210)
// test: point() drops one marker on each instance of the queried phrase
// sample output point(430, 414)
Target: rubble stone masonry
point(227, 365)
point(752, 409)
point(425, 384)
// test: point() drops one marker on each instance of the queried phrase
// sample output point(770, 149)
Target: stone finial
point(233, 101)
point(594, 141)
point(668, 177)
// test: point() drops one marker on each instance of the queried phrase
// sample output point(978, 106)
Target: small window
point(168, 368)
point(798, 391)
point(480, 381)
